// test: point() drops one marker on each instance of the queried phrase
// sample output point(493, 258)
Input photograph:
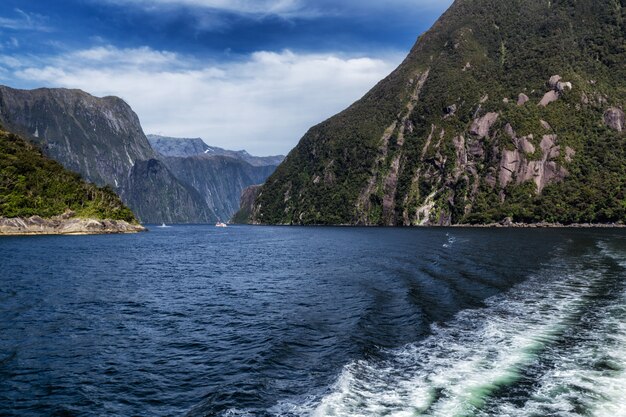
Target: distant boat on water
point(220, 224)
point(164, 225)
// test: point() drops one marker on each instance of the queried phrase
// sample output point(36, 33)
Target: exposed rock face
point(517, 165)
point(615, 119)
point(562, 87)
point(101, 139)
point(545, 125)
point(481, 126)
point(522, 99)
point(558, 88)
point(549, 97)
point(64, 225)
point(554, 80)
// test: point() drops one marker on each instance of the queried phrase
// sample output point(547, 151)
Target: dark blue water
point(262, 321)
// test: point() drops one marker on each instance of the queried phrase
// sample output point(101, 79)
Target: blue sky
point(253, 74)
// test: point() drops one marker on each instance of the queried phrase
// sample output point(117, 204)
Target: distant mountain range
point(217, 174)
point(183, 147)
point(102, 140)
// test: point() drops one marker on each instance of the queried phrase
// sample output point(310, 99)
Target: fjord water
point(265, 321)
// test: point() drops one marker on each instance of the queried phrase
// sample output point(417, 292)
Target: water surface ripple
point(271, 321)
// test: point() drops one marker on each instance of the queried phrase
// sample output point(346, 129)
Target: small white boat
point(220, 224)
point(163, 225)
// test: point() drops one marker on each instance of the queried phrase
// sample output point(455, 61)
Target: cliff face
point(153, 190)
point(102, 139)
point(504, 109)
point(217, 175)
point(219, 180)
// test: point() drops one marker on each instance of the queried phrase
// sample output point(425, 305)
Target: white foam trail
point(592, 376)
point(454, 371)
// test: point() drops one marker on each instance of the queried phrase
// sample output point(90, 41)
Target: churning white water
point(552, 346)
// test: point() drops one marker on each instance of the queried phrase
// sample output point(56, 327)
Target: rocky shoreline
point(64, 225)
point(543, 225)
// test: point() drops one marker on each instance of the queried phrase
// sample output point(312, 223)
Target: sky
point(241, 74)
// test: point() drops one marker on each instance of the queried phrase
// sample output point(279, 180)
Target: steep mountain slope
point(246, 204)
point(502, 109)
point(218, 179)
point(182, 147)
point(217, 175)
point(33, 185)
point(102, 139)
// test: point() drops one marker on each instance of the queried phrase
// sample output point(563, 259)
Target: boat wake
point(554, 345)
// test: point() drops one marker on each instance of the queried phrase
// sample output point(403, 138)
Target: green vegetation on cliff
point(456, 134)
point(32, 184)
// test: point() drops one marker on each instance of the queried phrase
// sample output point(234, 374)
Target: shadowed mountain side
point(246, 205)
point(219, 180)
point(156, 193)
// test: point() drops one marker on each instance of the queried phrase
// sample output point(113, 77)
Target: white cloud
point(294, 8)
point(283, 8)
point(264, 103)
point(24, 21)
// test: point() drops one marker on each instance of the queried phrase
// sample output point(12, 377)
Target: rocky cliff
point(61, 225)
point(102, 139)
point(502, 110)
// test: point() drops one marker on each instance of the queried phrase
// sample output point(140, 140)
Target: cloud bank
point(263, 103)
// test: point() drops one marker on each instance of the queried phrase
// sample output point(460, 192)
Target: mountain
point(503, 111)
point(246, 204)
point(219, 180)
point(32, 184)
point(182, 147)
point(102, 139)
point(217, 175)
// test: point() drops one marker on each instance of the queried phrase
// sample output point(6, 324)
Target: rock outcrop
point(481, 126)
point(522, 99)
point(518, 164)
point(64, 225)
point(549, 97)
point(615, 119)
